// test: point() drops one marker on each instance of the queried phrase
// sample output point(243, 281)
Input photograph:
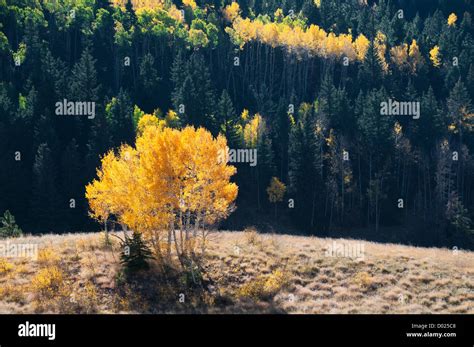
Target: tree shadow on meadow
point(172, 290)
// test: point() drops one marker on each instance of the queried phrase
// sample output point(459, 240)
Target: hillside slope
point(243, 272)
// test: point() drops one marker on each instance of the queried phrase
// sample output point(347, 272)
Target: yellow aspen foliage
point(175, 13)
point(314, 39)
point(140, 4)
point(253, 130)
point(278, 15)
point(397, 129)
point(246, 28)
point(452, 19)
point(415, 57)
point(467, 119)
point(317, 3)
point(184, 166)
point(310, 41)
point(380, 45)
point(291, 120)
point(399, 56)
point(361, 46)
point(276, 190)
point(171, 119)
point(231, 12)
point(147, 120)
point(108, 195)
point(435, 56)
point(245, 115)
point(296, 38)
point(269, 34)
point(190, 3)
point(172, 179)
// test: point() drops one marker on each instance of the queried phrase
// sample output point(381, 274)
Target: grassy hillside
point(242, 272)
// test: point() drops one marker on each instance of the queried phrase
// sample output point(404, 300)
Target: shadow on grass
point(173, 290)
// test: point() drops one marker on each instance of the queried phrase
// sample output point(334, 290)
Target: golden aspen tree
point(452, 19)
point(399, 56)
point(253, 130)
point(278, 15)
point(147, 120)
point(175, 13)
point(269, 34)
point(231, 12)
point(171, 187)
point(108, 194)
point(435, 56)
point(380, 45)
point(314, 39)
point(172, 119)
point(245, 115)
point(361, 46)
point(345, 47)
point(190, 3)
point(415, 57)
point(276, 191)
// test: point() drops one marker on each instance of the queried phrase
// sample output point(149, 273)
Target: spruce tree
point(45, 197)
point(228, 119)
point(119, 116)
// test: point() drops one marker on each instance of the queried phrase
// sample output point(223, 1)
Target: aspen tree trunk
point(168, 246)
point(106, 232)
point(178, 252)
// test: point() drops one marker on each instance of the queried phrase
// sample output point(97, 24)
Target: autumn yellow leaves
point(292, 34)
point(407, 57)
point(296, 37)
point(170, 186)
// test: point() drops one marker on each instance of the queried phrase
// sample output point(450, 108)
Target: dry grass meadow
point(243, 272)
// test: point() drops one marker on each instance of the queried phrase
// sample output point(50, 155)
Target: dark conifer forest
point(361, 112)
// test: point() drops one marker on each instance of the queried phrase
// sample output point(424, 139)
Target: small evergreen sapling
point(9, 227)
point(135, 253)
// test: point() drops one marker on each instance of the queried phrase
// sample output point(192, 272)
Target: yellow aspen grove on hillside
point(171, 187)
point(295, 37)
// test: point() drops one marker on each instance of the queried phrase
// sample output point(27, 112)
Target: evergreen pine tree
point(119, 116)
point(45, 199)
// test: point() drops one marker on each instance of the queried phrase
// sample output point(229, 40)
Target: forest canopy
point(301, 82)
